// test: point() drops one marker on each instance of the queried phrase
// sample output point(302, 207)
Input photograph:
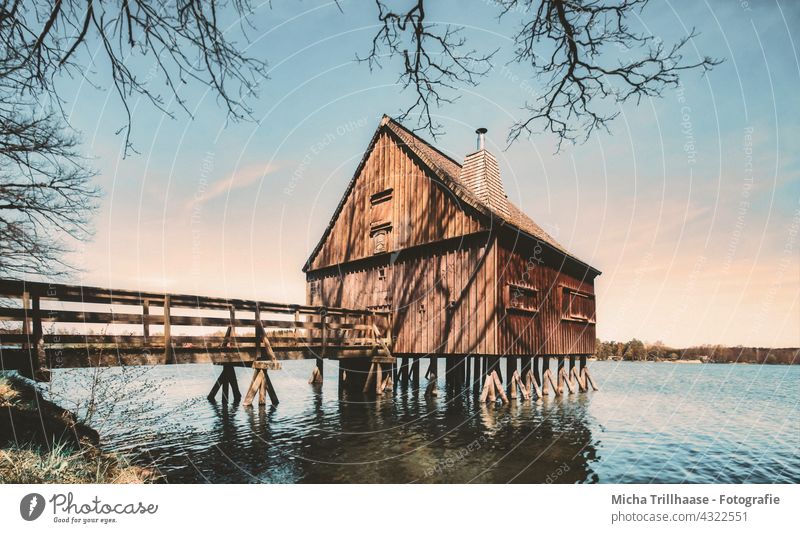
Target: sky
point(690, 205)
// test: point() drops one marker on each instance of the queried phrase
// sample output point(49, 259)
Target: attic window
point(381, 207)
point(577, 305)
point(521, 298)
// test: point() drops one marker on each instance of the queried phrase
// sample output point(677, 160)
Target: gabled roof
point(448, 171)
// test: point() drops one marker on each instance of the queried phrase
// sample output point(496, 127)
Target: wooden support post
point(167, 333)
point(467, 380)
point(511, 370)
point(487, 393)
point(498, 383)
point(571, 370)
point(146, 320)
point(404, 371)
point(560, 374)
point(533, 385)
point(537, 376)
point(588, 377)
point(525, 367)
point(370, 377)
point(476, 374)
point(546, 380)
point(41, 369)
point(432, 375)
point(316, 374)
point(563, 377)
point(378, 378)
point(324, 317)
point(261, 384)
point(415, 372)
point(226, 380)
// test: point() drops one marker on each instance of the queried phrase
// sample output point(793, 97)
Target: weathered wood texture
point(62, 326)
point(442, 296)
point(414, 193)
point(403, 240)
point(539, 321)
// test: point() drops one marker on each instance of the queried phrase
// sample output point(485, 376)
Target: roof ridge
point(387, 119)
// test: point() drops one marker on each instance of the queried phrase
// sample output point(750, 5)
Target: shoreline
point(41, 442)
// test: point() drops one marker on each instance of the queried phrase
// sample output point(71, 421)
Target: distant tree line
point(636, 350)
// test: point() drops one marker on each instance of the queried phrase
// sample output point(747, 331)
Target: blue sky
point(690, 206)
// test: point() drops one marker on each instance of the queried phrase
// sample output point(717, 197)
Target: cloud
point(237, 179)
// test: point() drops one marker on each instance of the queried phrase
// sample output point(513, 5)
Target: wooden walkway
point(45, 326)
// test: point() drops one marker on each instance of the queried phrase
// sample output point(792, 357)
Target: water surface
point(650, 422)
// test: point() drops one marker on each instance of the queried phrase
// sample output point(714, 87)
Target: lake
point(649, 423)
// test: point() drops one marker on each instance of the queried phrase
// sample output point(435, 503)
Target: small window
point(380, 237)
point(577, 305)
point(521, 298)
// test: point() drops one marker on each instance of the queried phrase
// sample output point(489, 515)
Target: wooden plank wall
point(545, 332)
point(423, 211)
point(442, 296)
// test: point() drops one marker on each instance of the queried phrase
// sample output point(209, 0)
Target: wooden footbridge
point(47, 326)
point(53, 326)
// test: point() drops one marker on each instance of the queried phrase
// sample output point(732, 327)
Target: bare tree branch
point(435, 61)
point(583, 52)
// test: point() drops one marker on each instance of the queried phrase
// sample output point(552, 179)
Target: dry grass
point(8, 394)
point(64, 462)
point(63, 465)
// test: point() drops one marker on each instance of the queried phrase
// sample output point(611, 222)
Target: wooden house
point(462, 269)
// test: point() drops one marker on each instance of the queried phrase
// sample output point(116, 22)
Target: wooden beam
point(167, 333)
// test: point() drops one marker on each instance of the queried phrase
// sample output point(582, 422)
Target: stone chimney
point(480, 173)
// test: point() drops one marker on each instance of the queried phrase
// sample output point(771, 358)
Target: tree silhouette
point(573, 46)
point(46, 195)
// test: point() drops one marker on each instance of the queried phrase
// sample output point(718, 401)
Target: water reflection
point(627, 432)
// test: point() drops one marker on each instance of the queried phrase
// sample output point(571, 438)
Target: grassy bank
point(42, 443)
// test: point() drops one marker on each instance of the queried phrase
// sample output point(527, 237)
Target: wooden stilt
point(487, 394)
point(560, 374)
point(316, 374)
point(498, 383)
point(545, 379)
point(432, 375)
point(570, 370)
point(370, 378)
point(415, 373)
point(467, 381)
point(403, 373)
point(261, 384)
point(226, 382)
point(563, 377)
point(533, 384)
point(476, 374)
point(581, 382)
point(537, 376)
point(589, 379)
point(511, 371)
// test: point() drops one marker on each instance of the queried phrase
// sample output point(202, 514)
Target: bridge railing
point(47, 326)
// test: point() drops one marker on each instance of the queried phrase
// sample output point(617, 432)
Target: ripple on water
point(651, 422)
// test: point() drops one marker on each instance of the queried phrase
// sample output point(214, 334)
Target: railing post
point(257, 325)
point(233, 321)
point(324, 317)
point(167, 333)
point(38, 337)
point(145, 320)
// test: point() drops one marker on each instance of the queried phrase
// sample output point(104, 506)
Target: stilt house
point(463, 270)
